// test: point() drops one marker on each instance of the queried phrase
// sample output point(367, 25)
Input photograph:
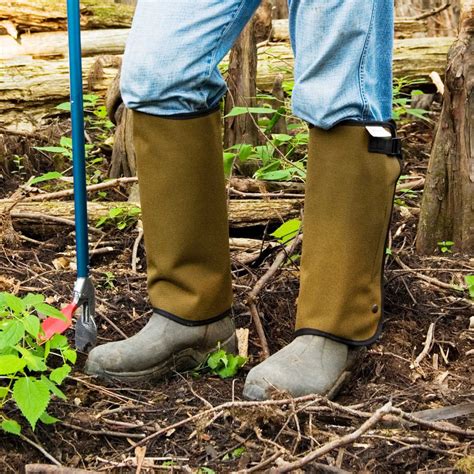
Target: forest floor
point(186, 424)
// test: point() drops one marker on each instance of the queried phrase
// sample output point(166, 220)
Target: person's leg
point(343, 55)
point(171, 81)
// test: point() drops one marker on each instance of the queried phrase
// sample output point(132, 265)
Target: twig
point(117, 434)
point(432, 12)
point(426, 348)
point(262, 464)
point(222, 408)
point(136, 245)
point(437, 426)
point(46, 217)
point(123, 334)
point(93, 187)
point(337, 443)
point(425, 447)
point(252, 296)
point(281, 194)
point(427, 279)
point(40, 449)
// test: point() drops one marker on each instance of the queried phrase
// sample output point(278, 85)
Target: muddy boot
point(352, 174)
point(183, 201)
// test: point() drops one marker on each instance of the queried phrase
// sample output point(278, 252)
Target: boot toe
point(106, 360)
point(310, 364)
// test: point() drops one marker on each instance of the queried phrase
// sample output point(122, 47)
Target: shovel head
point(86, 333)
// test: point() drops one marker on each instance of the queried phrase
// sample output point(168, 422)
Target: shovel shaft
point(78, 144)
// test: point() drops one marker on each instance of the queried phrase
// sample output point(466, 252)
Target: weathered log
point(53, 45)
point(50, 15)
point(112, 41)
point(447, 211)
point(30, 88)
point(242, 213)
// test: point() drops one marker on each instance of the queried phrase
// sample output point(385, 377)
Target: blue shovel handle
point(78, 144)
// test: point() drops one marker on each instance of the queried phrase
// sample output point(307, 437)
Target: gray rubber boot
point(161, 347)
point(310, 364)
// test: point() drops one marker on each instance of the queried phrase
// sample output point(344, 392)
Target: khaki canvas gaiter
point(348, 204)
point(183, 202)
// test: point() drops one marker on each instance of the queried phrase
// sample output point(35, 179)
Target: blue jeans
point(342, 48)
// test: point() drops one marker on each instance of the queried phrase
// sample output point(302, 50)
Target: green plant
point(469, 279)
point(206, 470)
point(402, 100)
point(120, 217)
point(109, 280)
point(287, 231)
point(225, 364)
point(446, 246)
point(27, 377)
point(18, 161)
point(235, 454)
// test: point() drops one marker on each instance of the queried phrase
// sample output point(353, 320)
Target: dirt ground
point(182, 418)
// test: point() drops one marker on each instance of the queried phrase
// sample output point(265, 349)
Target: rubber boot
point(183, 202)
point(351, 178)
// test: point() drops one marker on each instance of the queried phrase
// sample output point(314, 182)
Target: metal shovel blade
point(85, 334)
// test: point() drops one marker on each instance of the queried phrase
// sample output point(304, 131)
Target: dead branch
point(337, 443)
point(252, 296)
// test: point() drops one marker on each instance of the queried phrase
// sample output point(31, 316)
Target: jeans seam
point(213, 52)
point(365, 103)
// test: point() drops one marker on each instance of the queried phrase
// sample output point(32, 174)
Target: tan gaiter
point(183, 202)
point(348, 204)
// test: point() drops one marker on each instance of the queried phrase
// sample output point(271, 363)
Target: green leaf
point(228, 163)
point(12, 334)
point(58, 375)
point(11, 364)
point(233, 365)
point(45, 177)
point(53, 388)
point(250, 110)
point(206, 470)
point(14, 303)
point(31, 299)
point(282, 137)
point(64, 106)
point(287, 231)
point(31, 324)
point(66, 142)
point(48, 419)
point(49, 310)
point(3, 392)
point(469, 279)
point(33, 362)
point(115, 212)
point(279, 175)
point(32, 397)
point(58, 341)
point(217, 358)
point(52, 149)
point(11, 427)
point(70, 355)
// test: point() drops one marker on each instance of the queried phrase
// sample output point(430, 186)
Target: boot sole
point(187, 359)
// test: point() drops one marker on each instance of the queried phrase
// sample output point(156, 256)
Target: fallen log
point(50, 15)
point(28, 216)
point(30, 88)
